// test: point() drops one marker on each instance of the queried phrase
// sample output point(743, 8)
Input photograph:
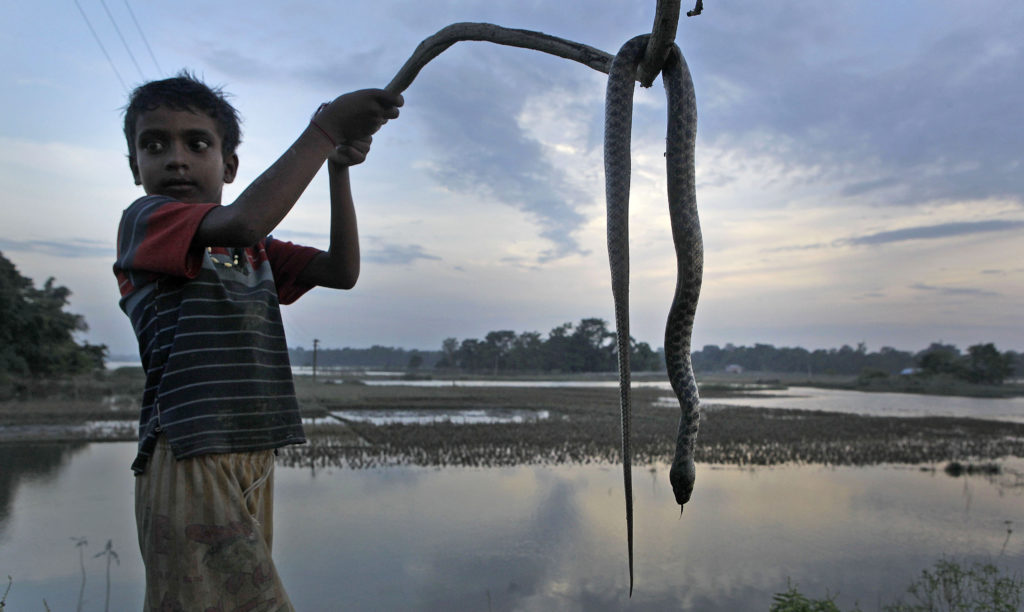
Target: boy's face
point(178, 154)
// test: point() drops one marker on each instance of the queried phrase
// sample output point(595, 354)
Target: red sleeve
point(287, 261)
point(156, 236)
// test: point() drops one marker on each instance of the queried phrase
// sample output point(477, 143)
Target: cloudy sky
point(859, 164)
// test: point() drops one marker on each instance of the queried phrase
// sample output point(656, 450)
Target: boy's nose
point(176, 158)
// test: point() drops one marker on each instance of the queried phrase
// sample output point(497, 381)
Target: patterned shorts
point(205, 531)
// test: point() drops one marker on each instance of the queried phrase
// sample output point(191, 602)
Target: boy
point(202, 284)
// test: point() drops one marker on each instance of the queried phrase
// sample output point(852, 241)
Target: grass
point(584, 427)
point(949, 586)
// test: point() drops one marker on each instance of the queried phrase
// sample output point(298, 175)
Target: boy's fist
point(351, 153)
point(357, 115)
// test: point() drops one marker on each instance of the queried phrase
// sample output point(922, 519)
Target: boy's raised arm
point(264, 203)
point(338, 268)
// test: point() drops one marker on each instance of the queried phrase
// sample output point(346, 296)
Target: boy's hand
point(354, 116)
point(351, 153)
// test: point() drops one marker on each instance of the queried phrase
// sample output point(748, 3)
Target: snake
point(682, 204)
point(681, 137)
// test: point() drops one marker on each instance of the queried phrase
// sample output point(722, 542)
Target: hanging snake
point(682, 205)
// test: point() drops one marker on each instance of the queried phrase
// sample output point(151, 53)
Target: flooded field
point(510, 498)
point(530, 537)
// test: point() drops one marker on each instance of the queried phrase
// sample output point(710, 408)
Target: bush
point(947, 587)
point(982, 587)
point(795, 601)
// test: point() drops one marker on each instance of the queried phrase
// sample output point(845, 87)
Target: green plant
point(981, 587)
point(80, 544)
point(794, 601)
point(109, 553)
point(3, 600)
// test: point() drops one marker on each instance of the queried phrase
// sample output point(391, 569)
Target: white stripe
point(230, 332)
point(232, 415)
point(245, 364)
point(166, 411)
point(228, 382)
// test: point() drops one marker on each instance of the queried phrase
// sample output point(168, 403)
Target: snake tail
point(682, 202)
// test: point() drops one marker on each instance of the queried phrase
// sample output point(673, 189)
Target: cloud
point(931, 232)
point(476, 146)
point(939, 123)
point(375, 249)
point(74, 248)
point(796, 247)
point(290, 234)
point(954, 290)
point(396, 254)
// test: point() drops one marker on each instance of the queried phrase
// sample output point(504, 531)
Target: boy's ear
point(134, 165)
point(230, 168)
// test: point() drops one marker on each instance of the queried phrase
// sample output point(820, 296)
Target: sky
point(860, 165)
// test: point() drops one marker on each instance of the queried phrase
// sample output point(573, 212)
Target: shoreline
point(578, 425)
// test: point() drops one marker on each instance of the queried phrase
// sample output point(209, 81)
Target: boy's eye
point(153, 147)
point(200, 145)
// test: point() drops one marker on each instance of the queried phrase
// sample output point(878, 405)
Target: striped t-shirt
point(208, 323)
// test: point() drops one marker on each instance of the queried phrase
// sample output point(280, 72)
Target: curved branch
point(663, 36)
point(527, 39)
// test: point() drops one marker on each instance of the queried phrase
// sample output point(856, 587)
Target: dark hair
point(184, 92)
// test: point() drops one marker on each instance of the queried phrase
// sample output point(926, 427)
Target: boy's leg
point(205, 542)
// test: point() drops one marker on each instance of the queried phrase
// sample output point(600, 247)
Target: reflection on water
point(797, 398)
point(456, 417)
point(24, 464)
point(880, 404)
point(536, 537)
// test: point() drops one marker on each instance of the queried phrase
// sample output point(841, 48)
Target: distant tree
point(415, 360)
point(594, 346)
point(986, 365)
point(37, 336)
point(558, 353)
point(644, 359)
point(941, 359)
point(527, 352)
point(498, 345)
point(449, 353)
point(1017, 359)
point(472, 355)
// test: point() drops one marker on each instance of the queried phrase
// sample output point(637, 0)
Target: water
point(455, 417)
point(797, 398)
point(527, 538)
point(880, 404)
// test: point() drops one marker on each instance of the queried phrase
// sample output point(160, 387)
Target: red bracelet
point(312, 120)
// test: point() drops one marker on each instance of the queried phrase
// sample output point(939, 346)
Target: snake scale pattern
point(682, 204)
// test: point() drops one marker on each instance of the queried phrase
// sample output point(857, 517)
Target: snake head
point(681, 475)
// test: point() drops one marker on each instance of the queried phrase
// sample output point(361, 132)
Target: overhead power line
point(123, 41)
point(144, 40)
point(100, 43)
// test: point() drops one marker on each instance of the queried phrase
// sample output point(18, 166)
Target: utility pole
point(315, 343)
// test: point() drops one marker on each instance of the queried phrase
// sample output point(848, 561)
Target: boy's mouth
point(179, 186)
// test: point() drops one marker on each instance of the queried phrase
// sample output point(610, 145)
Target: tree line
point(377, 356)
point(589, 346)
point(981, 364)
point(37, 336)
